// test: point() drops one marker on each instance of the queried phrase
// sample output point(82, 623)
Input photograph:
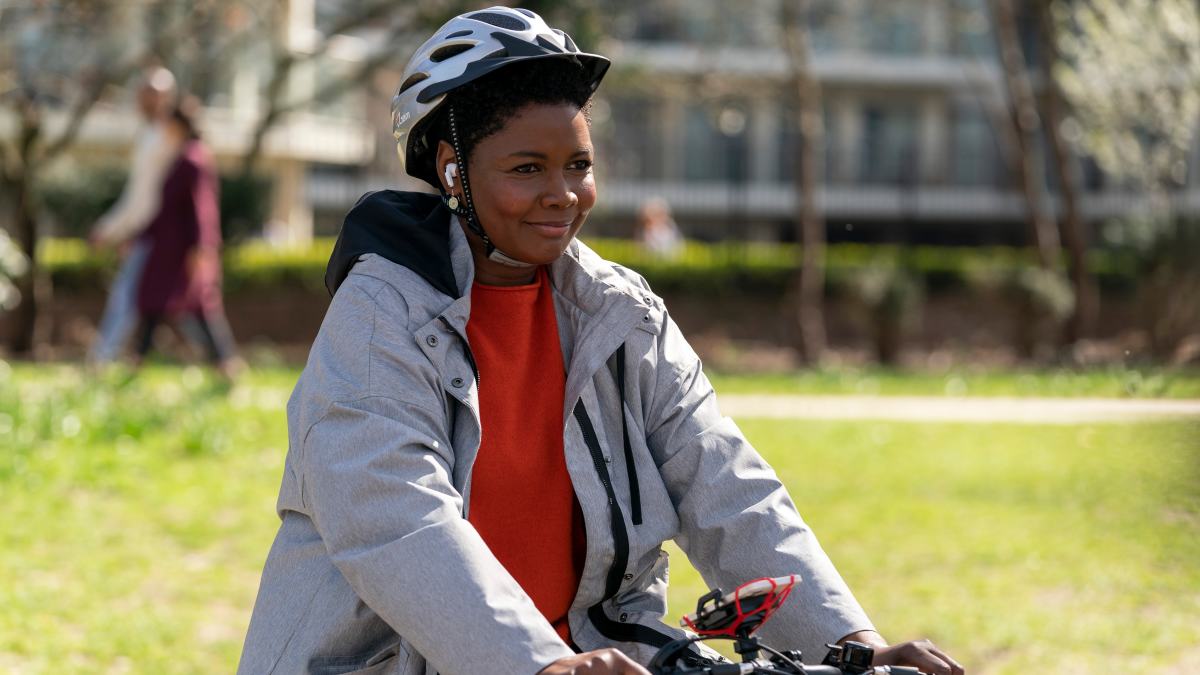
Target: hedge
point(75, 200)
point(720, 268)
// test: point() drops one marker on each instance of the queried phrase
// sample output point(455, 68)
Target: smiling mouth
point(551, 228)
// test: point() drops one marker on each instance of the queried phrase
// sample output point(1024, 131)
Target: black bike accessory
point(675, 657)
point(741, 612)
point(792, 659)
point(850, 656)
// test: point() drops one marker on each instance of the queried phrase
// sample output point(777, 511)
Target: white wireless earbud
point(451, 172)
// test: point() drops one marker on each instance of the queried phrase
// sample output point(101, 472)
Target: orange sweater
point(522, 501)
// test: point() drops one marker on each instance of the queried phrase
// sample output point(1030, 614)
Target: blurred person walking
point(153, 153)
point(181, 279)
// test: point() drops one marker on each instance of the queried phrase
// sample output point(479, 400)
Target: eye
point(526, 168)
point(580, 165)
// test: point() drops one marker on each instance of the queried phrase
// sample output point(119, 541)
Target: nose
point(559, 192)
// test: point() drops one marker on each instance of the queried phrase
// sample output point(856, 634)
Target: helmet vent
point(544, 42)
point(500, 20)
point(567, 40)
point(443, 53)
point(526, 12)
point(458, 34)
point(418, 77)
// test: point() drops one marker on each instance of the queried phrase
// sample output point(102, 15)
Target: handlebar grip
point(729, 669)
point(876, 670)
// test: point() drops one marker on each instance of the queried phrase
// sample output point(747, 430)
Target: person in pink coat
point(181, 280)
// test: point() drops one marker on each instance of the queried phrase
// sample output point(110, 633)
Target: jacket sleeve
point(377, 482)
point(141, 197)
point(737, 521)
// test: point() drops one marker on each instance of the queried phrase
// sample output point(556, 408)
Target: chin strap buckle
point(498, 256)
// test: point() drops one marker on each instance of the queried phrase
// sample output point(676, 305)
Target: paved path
point(951, 409)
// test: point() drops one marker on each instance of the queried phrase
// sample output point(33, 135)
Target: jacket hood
point(411, 229)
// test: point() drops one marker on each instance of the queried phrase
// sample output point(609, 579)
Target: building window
point(739, 24)
point(889, 143)
point(971, 29)
point(789, 143)
point(655, 21)
point(892, 27)
point(715, 143)
point(974, 153)
point(634, 147)
point(1094, 179)
point(827, 26)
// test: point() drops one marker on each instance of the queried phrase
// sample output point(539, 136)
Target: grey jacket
point(375, 568)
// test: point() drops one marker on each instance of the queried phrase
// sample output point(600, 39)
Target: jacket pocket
point(647, 591)
point(390, 662)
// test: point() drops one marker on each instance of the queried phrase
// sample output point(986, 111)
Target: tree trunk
point(889, 336)
point(1073, 229)
point(809, 220)
point(24, 316)
point(1026, 123)
point(19, 185)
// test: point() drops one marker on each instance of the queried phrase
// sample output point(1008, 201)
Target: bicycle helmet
point(466, 48)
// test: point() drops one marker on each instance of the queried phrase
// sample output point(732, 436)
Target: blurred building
point(699, 113)
point(697, 110)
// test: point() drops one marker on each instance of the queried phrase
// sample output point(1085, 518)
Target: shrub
point(1044, 300)
point(76, 199)
point(892, 295)
point(719, 269)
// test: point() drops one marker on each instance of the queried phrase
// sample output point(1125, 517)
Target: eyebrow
point(542, 155)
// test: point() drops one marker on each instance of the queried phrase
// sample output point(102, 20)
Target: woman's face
point(532, 187)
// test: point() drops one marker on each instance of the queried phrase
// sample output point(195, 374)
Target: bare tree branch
point(286, 61)
point(99, 80)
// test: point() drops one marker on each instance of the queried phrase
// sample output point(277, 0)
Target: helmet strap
point(465, 208)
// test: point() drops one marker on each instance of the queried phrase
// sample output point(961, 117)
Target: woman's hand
point(599, 662)
point(920, 654)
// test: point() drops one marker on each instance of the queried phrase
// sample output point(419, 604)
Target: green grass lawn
point(137, 515)
point(1117, 381)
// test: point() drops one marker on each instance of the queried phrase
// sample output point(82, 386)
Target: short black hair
point(482, 107)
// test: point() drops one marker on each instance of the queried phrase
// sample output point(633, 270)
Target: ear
point(445, 155)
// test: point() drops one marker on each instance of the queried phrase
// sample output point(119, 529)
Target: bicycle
point(736, 616)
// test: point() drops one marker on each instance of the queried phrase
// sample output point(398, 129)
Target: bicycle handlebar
point(736, 616)
point(772, 669)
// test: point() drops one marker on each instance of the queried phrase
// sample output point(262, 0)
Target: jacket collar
point(580, 276)
point(416, 231)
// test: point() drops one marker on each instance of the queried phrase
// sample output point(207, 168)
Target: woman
point(496, 429)
point(181, 279)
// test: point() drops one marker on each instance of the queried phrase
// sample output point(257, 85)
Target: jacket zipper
point(613, 630)
point(635, 492)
